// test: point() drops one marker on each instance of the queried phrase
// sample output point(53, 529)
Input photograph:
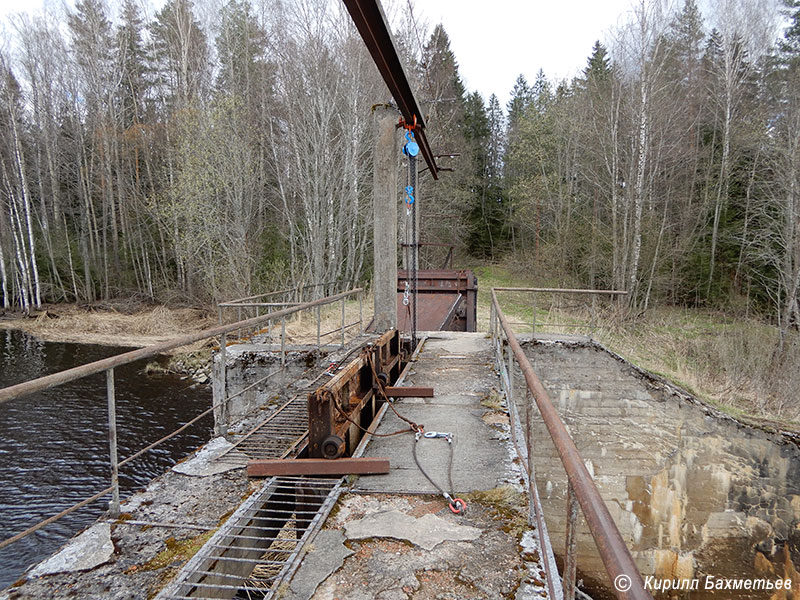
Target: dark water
point(54, 445)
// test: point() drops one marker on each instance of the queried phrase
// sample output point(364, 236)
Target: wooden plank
point(317, 466)
point(409, 392)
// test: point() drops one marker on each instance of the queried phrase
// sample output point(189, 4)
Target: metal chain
point(412, 173)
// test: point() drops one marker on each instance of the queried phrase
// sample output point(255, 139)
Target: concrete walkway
point(459, 367)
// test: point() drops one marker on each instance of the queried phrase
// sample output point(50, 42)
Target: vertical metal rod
point(491, 320)
point(361, 314)
point(269, 329)
point(219, 309)
point(319, 322)
point(258, 314)
point(342, 322)
point(533, 320)
point(112, 442)
point(510, 394)
point(239, 318)
point(283, 341)
point(594, 317)
point(222, 425)
point(570, 554)
point(529, 446)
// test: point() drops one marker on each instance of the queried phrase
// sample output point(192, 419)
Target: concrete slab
point(426, 532)
point(90, 549)
point(204, 462)
point(325, 557)
point(479, 461)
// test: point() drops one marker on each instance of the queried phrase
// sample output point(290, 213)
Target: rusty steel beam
point(615, 555)
point(409, 392)
point(371, 24)
point(317, 466)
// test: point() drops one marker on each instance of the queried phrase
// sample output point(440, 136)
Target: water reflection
point(54, 444)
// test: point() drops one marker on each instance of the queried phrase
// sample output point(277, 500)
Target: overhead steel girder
point(371, 24)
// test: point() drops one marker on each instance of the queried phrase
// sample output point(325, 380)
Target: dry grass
point(728, 362)
point(109, 326)
point(301, 327)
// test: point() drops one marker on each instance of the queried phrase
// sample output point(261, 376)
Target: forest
point(210, 151)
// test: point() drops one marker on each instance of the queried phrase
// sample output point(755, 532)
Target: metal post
point(342, 322)
point(319, 321)
point(533, 319)
point(239, 318)
point(112, 442)
point(570, 554)
point(269, 329)
point(510, 394)
point(360, 314)
point(491, 320)
point(219, 309)
point(529, 445)
point(594, 317)
point(221, 424)
point(283, 341)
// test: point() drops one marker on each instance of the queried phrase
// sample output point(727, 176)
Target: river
point(54, 444)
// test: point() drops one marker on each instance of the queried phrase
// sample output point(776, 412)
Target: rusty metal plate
point(432, 311)
point(317, 466)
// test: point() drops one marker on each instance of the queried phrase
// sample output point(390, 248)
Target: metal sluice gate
point(259, 547)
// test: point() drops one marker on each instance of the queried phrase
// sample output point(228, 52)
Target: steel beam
point(318, 466)
point(409, 392)
point(371, 24)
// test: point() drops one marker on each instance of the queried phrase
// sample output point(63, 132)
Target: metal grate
point(259, 546)
point(280, 435)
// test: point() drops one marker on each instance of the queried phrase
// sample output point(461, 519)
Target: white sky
point(496, 41)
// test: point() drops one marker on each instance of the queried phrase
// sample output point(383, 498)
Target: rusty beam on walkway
point(371, 24)
point(409, 392)
point(317, 466)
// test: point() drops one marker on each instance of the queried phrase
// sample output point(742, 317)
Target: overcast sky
point(496, 41)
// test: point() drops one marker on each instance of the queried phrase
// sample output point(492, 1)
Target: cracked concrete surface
point(426, 532)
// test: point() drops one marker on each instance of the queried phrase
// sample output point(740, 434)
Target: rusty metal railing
point(591, 325)
point(108, 365)
point(290, 297)
point(626, 581)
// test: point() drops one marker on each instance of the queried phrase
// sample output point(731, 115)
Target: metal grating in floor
point(259, 546)
point(279, 436)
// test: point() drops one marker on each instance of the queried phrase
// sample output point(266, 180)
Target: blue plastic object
point(411, 147)
point(409, 195)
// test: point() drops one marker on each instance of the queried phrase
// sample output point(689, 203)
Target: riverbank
point(129, 324)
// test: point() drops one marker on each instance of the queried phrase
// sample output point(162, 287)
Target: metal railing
point(253, 305)
point(626, 581)
point(591, 326)
point(108, 365)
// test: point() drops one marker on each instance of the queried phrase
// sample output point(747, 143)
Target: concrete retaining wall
point(692, 491)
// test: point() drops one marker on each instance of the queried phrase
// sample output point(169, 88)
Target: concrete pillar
point(384, 206)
